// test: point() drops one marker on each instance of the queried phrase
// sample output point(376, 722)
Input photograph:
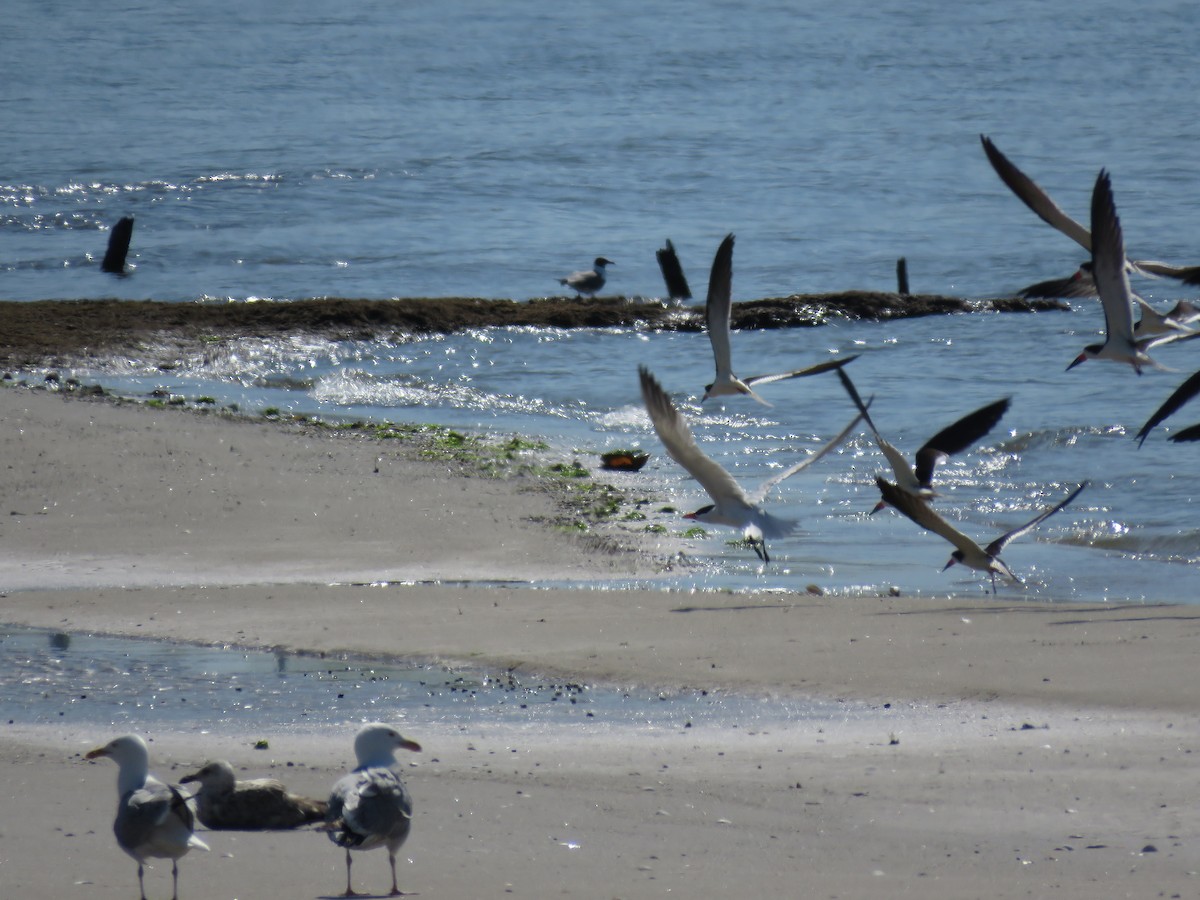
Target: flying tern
point(731, 506)
point(918, 481)
point(717, 311)
point(967, 552)
point(588, 281)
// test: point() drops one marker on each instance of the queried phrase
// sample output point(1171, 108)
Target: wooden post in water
point(672, 271)
point(902, 276)
point(118, 247)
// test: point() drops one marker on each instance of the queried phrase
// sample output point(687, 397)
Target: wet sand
point(1004, 750)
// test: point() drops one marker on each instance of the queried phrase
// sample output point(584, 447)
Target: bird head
point(129, 748)
point(701, 514)
point(216, 774)
point(376, 744)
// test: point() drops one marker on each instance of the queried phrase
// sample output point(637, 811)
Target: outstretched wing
point(681, 446)
point(955, 438)
point(1181, 395)
point(800, 373)
point(996, 546)
point(716, 308)
point(803, 464)
point(923, 514)
point(1034, 197)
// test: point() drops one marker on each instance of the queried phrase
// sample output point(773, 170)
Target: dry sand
point(988, 749)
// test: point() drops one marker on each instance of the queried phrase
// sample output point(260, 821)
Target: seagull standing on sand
point(731, 506)
point(153, 819)
point(223, 802)
point(588, 281)
point(370, 807)
point(952, 439)
point(717, 312)
point(983, 559)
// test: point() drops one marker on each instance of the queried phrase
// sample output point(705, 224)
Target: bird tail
point(341, 834)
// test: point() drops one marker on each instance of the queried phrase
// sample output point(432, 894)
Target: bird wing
point(716, 308)
point(955, 438)
point(156, 820)
point(923, 514)
point(1108, 263)
point(766, 486)
point(379, 805)
point(800, 373)
point(1034, 197)
point(266, 803)
point(901, 470)
point(681, 446)
point(996, 546)
point(1078, 285)
point(1180, 396)
point(1191, 433)
point(1187, 274)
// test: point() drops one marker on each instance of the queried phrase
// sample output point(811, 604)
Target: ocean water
point(486, 149)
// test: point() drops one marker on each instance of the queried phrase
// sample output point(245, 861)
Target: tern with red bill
point(717, 311)
point(731, 506)
point(967, 552)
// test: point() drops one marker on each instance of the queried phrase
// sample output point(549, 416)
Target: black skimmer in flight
point(1112, 280)
point(716, 313)
point(731, 506)
point(967, 552)
point(918, 481)
point(1178, 398)
point(588, 281)
point(1028, 191)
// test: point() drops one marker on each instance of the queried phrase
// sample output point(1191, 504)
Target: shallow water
point(77, 680)
point(452, 148)
point(1134, 534)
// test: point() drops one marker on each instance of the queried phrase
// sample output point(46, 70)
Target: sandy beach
point(995, 749)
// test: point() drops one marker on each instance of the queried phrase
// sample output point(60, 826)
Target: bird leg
point(395, 892)
point(760, 547)
point(141, 882)
point(349, 890)
point(174, 879)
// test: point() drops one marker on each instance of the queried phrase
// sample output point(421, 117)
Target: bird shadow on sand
point(753, 606)
point(360, 895)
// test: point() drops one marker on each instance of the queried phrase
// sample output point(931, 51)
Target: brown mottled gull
point(370, 807)
point(260, 804)
point(153, 819)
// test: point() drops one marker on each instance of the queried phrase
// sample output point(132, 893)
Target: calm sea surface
point(484, 149)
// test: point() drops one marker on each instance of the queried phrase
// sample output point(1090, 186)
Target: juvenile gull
point(370, 807)
point(153, 819)
point(223, 802)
